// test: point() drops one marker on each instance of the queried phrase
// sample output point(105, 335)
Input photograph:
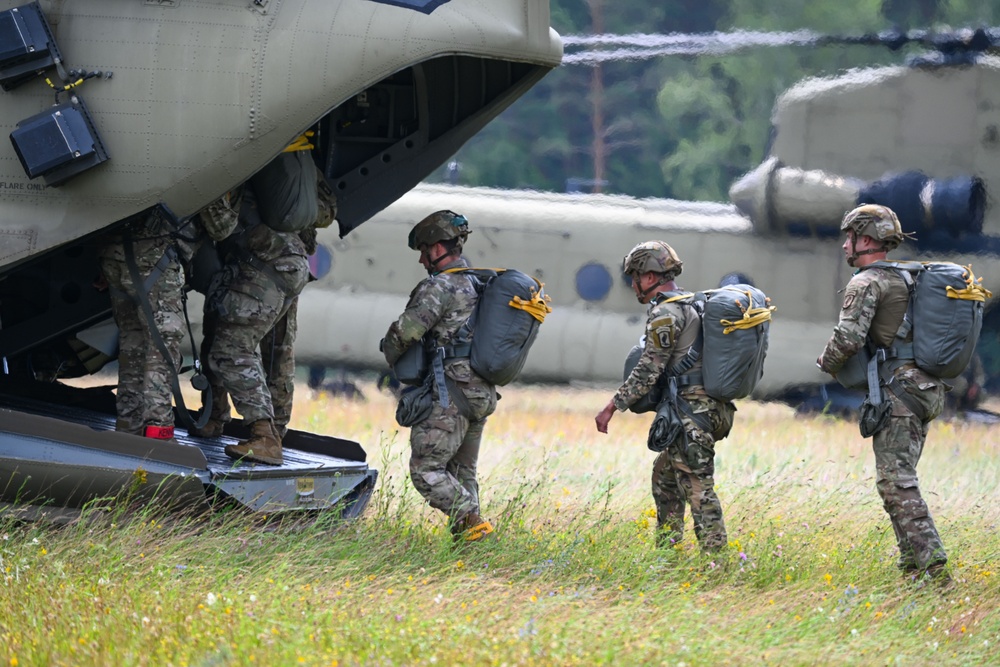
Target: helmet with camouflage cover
point(655, 256)
point(437, 227)
point(878, 222)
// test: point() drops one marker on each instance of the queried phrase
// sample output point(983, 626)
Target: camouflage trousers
point(444, 452)
point(144, 394)
point(897, 451)
point(277, 355)
point(683, 476)
point(244, 306)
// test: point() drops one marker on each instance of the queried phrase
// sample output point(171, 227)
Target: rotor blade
point(640, 46)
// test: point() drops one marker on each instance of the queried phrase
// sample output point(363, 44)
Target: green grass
point(573, 577)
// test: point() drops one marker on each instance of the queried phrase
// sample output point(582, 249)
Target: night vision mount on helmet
point(438, 227)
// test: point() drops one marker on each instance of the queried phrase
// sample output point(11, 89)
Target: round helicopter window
point(320, 262)
point(593, 282)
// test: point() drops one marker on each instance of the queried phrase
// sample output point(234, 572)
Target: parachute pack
point(287, 194)
point(502, 328)
point(945, 315)
point(735, 323)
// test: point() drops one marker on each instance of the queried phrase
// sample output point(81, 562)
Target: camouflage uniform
point(681, 474)
point(874, 305)
point(445, 447)
point(144, 376)
point(264, 274)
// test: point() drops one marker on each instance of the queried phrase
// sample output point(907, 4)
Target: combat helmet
point(655, 256)
point(878, 222)
point(437, 227)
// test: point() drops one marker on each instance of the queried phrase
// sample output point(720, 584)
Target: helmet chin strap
point(435, 262)
point(855, 253)
point(644, 293)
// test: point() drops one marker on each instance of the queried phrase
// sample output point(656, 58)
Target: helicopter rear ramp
point(55, 461)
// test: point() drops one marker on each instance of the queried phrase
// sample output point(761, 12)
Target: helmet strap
point(644, 293)
point(855, 253)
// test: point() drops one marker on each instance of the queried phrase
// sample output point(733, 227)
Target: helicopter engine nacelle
point(787, 201)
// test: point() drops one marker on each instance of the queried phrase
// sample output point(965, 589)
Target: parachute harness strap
point(973, 290)
point(537, 305)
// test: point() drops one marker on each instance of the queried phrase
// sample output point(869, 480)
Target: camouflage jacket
point(671, 330)
point(439, 305)
point(252, 235)
point(874, 304)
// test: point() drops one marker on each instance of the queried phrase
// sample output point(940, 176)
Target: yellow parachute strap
point(678, 298)
point(973, 290)
point(752, 317)
point(537, 306)
point(301, 143)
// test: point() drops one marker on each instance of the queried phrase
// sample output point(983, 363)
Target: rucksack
point(945, 314)
point(502, 328)
point(735, 324)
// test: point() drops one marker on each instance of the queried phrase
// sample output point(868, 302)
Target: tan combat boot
point(263, 445)
point(213, 428)
point(471, 528)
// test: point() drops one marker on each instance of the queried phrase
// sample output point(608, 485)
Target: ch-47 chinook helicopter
point(921, 138)
point(115, 107)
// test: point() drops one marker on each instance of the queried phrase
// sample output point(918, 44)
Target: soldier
point(684, 470)
point(445, 446)
point(264, 273)
point(145, 250)
point(875, 304)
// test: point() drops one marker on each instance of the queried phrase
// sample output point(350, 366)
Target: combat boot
point(471, 528)
point(263, 445)
point(213, 428)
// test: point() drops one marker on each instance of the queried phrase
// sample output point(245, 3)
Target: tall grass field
point(572, 578)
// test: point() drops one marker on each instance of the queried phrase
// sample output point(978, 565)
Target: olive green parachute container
point(286, 189)
point(945, 315)
point(735, 324)
point(511, 308)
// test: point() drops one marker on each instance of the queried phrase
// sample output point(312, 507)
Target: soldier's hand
point(604, 417)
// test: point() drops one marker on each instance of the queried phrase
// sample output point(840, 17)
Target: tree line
point(678, 126)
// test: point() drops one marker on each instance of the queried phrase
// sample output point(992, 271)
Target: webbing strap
point(437, 366)
point(874, 389)
point(142, 298)
point(911, 403)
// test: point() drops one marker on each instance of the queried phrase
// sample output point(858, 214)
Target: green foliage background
point(682, 126)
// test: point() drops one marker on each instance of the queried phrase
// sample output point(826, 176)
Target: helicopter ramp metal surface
point(59, 457)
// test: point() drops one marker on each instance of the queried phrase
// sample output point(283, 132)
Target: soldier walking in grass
point(875, 304)
point(445, 445)
point(684, 469)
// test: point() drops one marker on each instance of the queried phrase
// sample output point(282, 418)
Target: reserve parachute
point(735, 324)
point(504, 324)
point(945, 314)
